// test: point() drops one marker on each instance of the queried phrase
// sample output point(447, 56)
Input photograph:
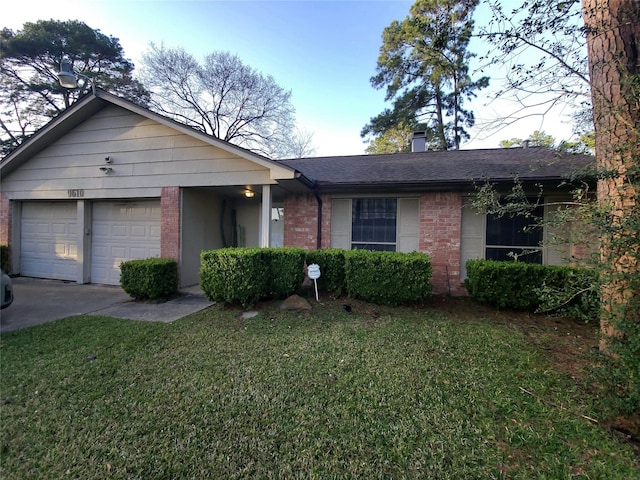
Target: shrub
point(523, 286)
point(246, 275)
point(4, 258)
point(234, 275)
point(287, 270)
point(388, 278)
point(332, 263)
point(149, 279)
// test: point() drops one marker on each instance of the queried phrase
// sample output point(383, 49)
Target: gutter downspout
point(319, 236)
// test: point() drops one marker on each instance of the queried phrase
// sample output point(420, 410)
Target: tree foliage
point(584, 144)
point(536, 139)
point(30, 59)
point(223, 97)
point(424, 66)
point(396, 139)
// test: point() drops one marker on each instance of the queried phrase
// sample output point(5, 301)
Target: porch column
point(265, 216)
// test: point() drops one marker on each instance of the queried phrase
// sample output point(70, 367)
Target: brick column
point(170, 223)
point(440, 221)
point(5, 219)
point(301, 221)
point(326, 221)
point(5, 224)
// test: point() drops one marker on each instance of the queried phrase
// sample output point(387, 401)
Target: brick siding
point(5, 225)
point(170, 223)
point(5, 219)
point(301, 221)
point(440, 221)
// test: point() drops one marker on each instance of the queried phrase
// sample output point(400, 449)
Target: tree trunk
point(442, 138)
point(613, 41)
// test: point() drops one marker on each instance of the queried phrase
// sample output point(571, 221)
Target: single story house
point(109, 180)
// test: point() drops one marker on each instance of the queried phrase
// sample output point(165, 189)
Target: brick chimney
point(419, 142)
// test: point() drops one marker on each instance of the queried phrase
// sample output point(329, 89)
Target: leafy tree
point(612, 32)
point(585, 143)
point(424, 66)
point(396, 139)
point(536, 139)
point(30, 59)
point(222, 97)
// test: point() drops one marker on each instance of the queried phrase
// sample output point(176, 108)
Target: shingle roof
point(439, 168)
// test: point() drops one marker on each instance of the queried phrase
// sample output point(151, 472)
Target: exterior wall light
point(249, 194)
point(106, 170)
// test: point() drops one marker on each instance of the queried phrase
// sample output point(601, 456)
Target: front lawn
point(375, 393)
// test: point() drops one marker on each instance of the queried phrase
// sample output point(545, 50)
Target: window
point(520, 236)
point(373, 224)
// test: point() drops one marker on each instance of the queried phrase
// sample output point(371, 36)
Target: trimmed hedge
point(149, 279)
point(388, 278)
point(332, 263)
point(523, 286)
point(246, 275)
point(234, 275)
point(286, 267)
point(4, 258)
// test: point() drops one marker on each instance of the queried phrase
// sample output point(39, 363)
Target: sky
point(324, 51)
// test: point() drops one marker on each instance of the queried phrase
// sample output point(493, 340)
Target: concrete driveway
point(39, 301)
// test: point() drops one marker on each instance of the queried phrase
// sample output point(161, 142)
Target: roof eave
point(455, 184)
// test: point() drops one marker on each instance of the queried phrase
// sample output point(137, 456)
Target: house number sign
point(75, 193)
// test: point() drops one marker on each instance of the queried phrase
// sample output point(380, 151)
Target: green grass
point(392, 393)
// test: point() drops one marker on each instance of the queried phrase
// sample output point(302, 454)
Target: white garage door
point(122, 231)
point(49, 240)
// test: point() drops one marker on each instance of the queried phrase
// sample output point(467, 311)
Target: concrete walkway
point(39, 301)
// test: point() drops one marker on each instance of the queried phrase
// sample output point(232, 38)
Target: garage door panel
point(121, 232)
point(138, 252)
point(139, 231)
point(48, 246)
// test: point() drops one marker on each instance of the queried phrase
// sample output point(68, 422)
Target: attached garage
point(122, 230)
point(108, 181)
point(49, 240)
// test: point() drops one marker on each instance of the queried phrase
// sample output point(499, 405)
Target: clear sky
point(324, 51)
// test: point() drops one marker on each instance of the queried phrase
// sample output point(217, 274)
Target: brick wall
point(5, 225)
point(301, 221)
point(170, 223)
point(440, 219)
point(5, 219)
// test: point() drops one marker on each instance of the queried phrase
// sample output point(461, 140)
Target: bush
point(287, 270)
point(234, 275)
point(532, 287)
point(246, 275)
point(332, 263)
point(4, 258)
point(388, 278)
point(149, 279)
